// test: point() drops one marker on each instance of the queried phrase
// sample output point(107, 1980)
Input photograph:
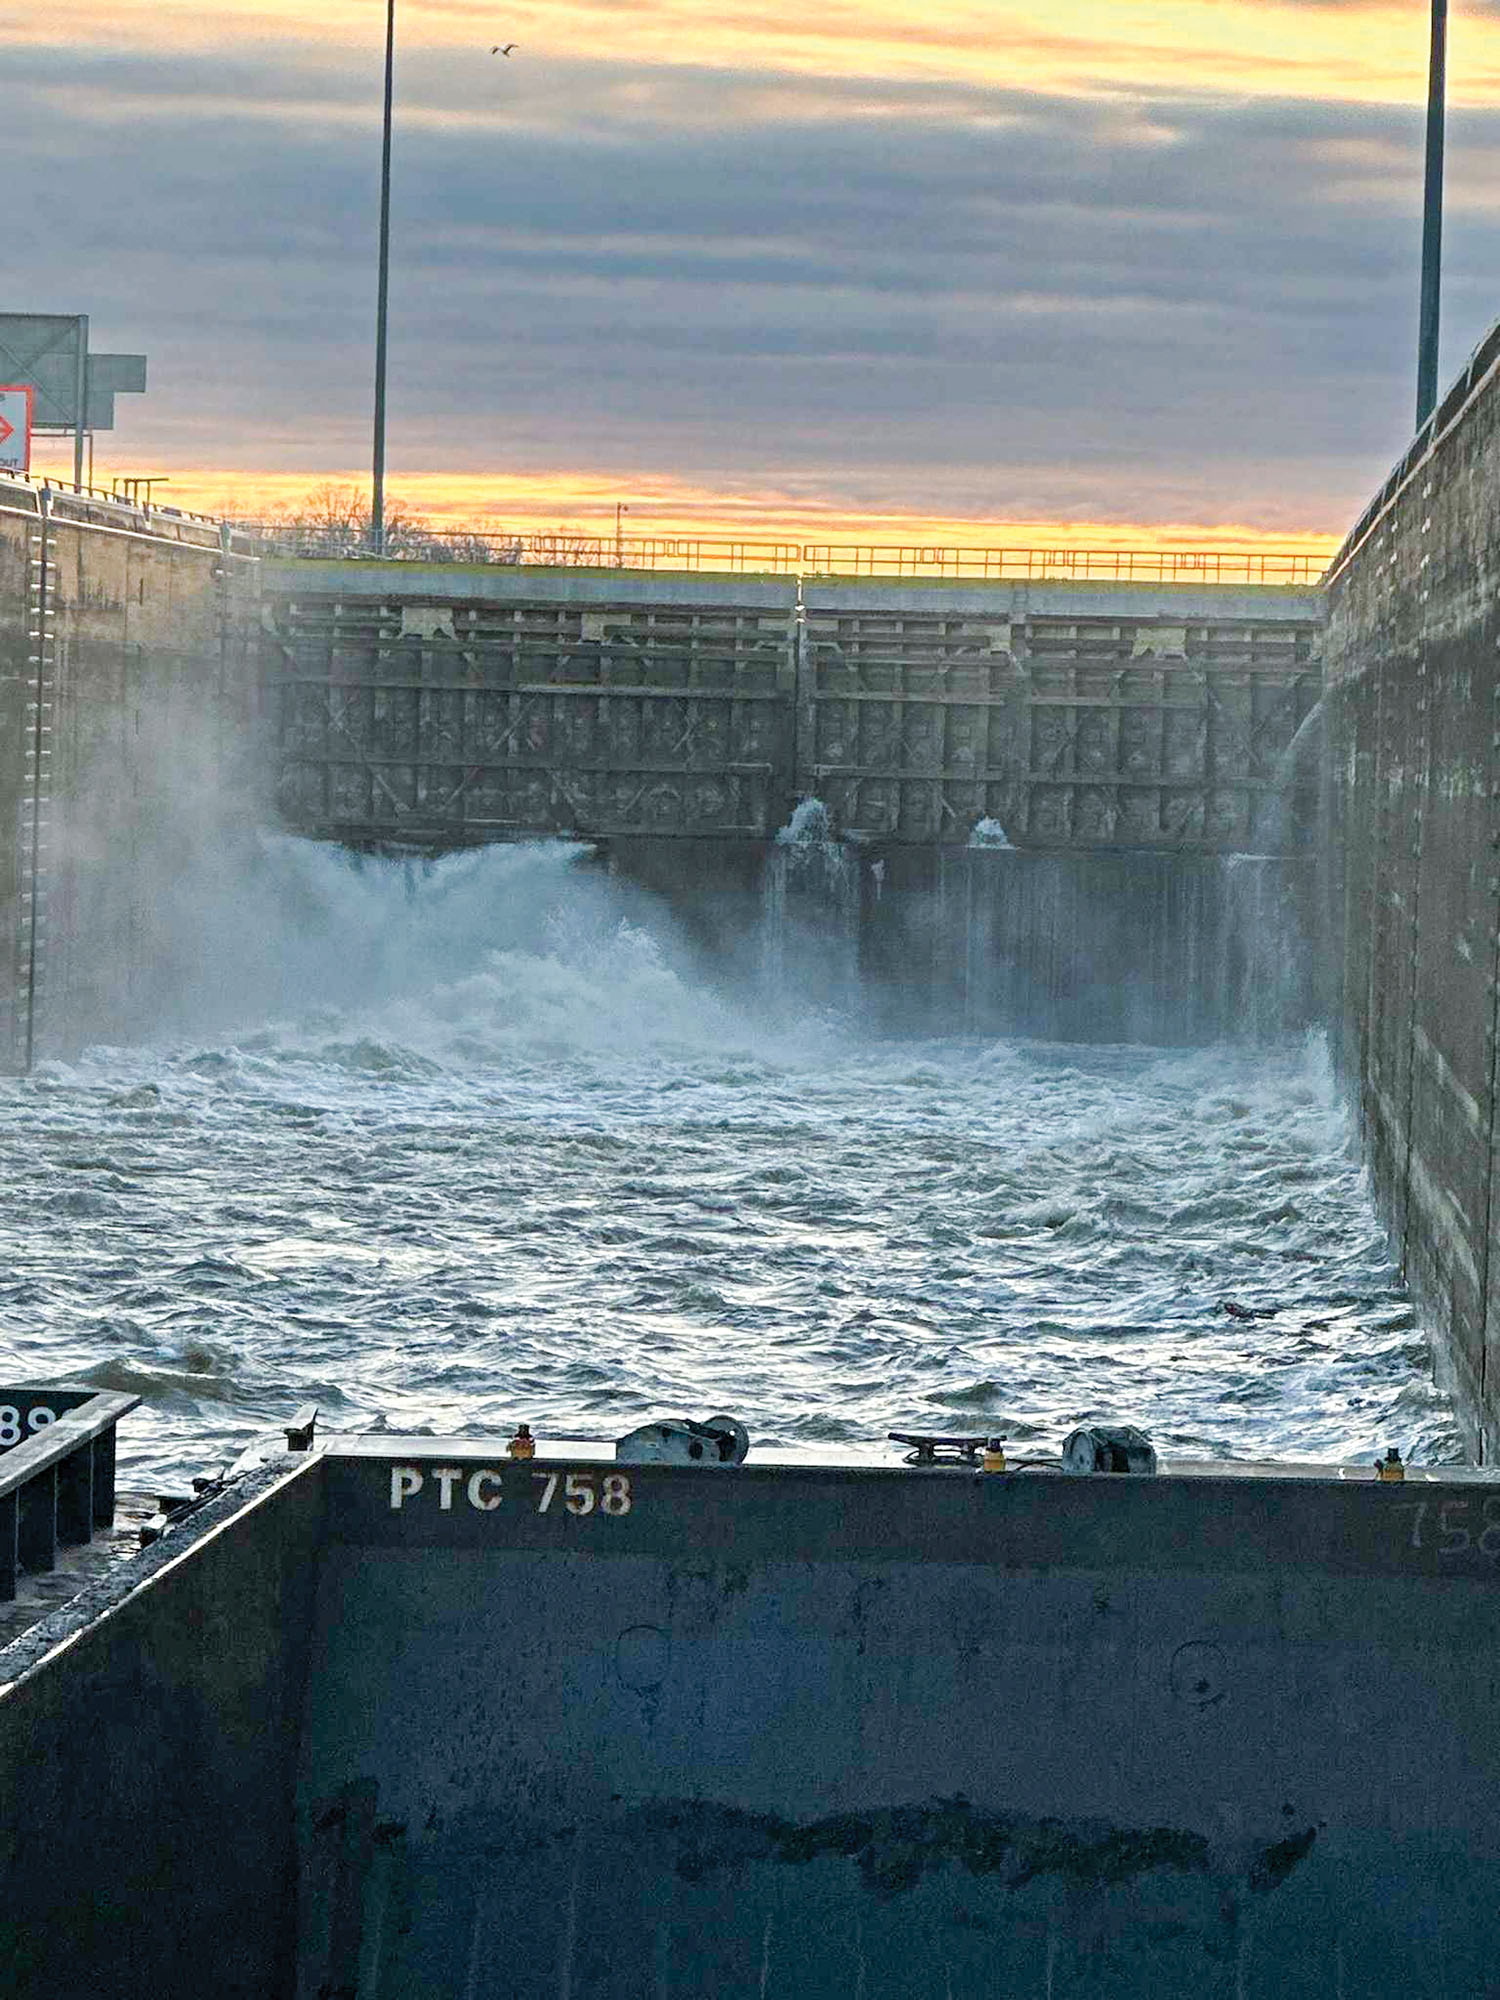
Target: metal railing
point(914, 562)
point(57, 1473)
point(1072, 565)
point(566, 549)
point(35, 481)
point(557, 549)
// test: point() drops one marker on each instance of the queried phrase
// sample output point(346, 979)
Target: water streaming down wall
point(1123, 947)
point(810, 913)
point(994, 940)
point(1100, 945)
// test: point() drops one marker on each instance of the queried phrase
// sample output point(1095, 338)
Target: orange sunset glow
point(662, 507)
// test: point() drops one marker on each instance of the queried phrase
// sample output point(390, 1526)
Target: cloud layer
point(1143, 291)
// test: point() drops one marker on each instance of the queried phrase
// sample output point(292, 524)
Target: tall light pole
point(382, 294)
point(1432, 219)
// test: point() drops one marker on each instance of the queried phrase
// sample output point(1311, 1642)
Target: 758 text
point(1453, 1527)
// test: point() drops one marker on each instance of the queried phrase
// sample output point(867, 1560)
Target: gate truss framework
point(414, 713)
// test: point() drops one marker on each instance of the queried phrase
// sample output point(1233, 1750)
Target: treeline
point(336, 521)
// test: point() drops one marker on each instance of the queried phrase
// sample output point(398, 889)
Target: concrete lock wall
point(1413, 720)
point(126, 690)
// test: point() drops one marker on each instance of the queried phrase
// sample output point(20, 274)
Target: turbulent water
point(455, 1147)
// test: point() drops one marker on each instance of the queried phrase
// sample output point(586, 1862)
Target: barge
point(409, 1718)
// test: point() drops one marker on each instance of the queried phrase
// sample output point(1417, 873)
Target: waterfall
point(1169, 949)
point(810, 913)
point(1271, 962)
point(989, 833)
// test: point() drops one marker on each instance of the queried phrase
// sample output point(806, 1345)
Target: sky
point(902, 270)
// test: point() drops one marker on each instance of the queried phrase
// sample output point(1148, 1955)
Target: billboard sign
point(74, 389)
point(15, 426)
point(50, 351)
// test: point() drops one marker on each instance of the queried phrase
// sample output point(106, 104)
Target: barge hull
point(416, 1720)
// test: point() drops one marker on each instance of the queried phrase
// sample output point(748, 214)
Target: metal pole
point(377, 493)
point(81, 396)
point(1432, 220)
point(43, 612)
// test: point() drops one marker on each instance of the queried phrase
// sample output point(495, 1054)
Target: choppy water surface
point(455, 1151)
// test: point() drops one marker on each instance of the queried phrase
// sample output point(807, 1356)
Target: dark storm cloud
point(1167, 305)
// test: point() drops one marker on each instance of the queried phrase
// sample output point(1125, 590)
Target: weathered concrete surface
point(147, 1768)
point(435, 705)
point(1413, 717)
point(125, 689)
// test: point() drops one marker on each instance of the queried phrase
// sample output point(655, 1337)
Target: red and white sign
point(15, 426)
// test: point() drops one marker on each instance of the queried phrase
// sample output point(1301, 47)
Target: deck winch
point(682, 1441)
point(1108, 1448)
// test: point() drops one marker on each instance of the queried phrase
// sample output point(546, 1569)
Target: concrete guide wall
point(126, 689)
point(1413, 728)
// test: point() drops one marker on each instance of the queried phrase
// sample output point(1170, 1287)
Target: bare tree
point(334, 520)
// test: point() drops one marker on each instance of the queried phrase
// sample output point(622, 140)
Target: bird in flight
point(497, 50)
